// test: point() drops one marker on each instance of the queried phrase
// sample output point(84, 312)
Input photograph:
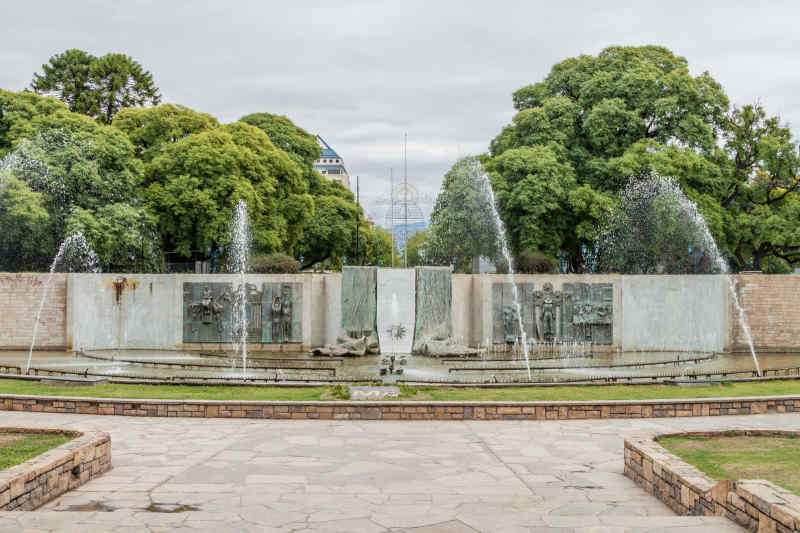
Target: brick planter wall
point(392, 410)
point(28, 485)
point(757, 505)
point(20, 295)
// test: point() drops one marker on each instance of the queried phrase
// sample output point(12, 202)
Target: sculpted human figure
point(548, 302)
point(275, 316)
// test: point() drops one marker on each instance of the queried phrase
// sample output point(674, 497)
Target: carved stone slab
point(279, 312)
point(396, 301)
point(434, 294)
point(505, 326)
point(582, 312)
point(207, 312)
point(588, 312)
point(359, 301)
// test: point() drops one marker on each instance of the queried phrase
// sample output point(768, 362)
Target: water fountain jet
point(240, 247)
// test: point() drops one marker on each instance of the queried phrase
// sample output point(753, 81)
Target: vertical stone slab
point(665, 312)
point(588, 314)
point(503, 300)
point(433, 311)
point(207, 312)
point(281, 313)
point(498, 327)
point(359, 301)
point(296, 334)
point(396, 302)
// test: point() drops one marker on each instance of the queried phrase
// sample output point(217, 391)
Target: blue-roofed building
point(331, 165)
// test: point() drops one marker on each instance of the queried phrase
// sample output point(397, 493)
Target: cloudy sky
point(362, 73)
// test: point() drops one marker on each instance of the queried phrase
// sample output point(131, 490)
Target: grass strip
point(16, 448)
point(734, 457)
point(417, 393)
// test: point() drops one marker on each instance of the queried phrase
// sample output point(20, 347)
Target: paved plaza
point(370, 476)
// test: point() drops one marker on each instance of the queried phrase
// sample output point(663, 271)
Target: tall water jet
point(652, 231)
point(237, 263)
point(502, 239)
point(80, 257)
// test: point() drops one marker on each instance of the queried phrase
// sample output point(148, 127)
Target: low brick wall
point(770, 305)
point(28, 485)
point(393, 410)
point(757, 505)
point(20, 295)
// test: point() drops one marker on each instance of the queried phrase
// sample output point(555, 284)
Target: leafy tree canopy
point(96, 86)
point(462, 223)
point(195, 183)
point(68, 169)
point(124, 237)
point(25, 223)
point(150, 129)
point(596, 121)
point(19, 116)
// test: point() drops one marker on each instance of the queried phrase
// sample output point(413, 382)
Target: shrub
point(274, 264)
point(535, 262)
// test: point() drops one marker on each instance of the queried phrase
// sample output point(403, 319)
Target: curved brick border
point(757, 505)
point(28, 485)
point(398, 410)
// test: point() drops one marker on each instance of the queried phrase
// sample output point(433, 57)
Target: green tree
point(374, 245)
point(576, 125)
point(194, 184)
point(20, 114)
point(66, 76)
point(333, 203)
point(96, 86)
point(462, 225)
point(151, 129)
point(73, 162)
point(125, 238)
point(330, 234)
point(415, 248)
point(25, 223)
point(762, 198)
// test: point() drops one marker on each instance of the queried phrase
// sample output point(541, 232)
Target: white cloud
point(363, 72)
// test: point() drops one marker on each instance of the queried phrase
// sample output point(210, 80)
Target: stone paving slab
point(370, 476)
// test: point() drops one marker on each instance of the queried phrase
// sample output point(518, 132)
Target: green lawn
point(16, 448)
point(776, 459)
point(222, 392)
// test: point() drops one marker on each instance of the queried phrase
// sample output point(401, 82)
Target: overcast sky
point(361, 73)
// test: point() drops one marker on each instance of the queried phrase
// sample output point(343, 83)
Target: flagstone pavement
point(366, 476)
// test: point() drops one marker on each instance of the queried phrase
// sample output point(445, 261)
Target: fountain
point(501, 237)
point(237, 262)
point(77, 250)
point(650, 232)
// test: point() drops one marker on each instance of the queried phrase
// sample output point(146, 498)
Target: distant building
point(331, 165)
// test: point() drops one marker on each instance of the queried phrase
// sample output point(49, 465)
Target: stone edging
point(28, 485)
point(757, 505)
point(399, 410)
